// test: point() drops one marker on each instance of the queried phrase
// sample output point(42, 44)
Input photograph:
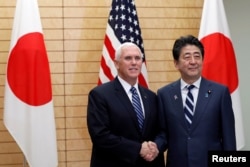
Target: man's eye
point(137, 58)
point(186, 57)
point(128, 58)
point(197, 56)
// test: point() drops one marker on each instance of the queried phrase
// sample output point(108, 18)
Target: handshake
point(149, 151)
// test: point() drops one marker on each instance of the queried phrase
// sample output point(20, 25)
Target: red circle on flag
point(28, 71)
point(219, 60)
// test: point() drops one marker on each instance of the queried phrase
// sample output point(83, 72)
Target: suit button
point(189, 138)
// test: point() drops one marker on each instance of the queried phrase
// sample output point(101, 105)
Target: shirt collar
point(196, 83)
point(126, 85)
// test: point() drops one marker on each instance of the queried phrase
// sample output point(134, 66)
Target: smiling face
point(129, 63)
point(189, 63)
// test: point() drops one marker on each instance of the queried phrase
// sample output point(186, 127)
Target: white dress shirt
point(126, 86)
point(194, 91)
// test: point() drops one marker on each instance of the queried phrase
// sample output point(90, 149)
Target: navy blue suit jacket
point(212, 126)
point(114, 130)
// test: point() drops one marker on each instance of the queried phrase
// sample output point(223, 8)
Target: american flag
point(123, 26)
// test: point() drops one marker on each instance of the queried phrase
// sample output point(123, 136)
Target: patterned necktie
point(137, 106)
point(189, 106)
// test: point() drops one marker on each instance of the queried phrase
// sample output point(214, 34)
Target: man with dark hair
point(196, 113)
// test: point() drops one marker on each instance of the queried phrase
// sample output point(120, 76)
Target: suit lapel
point(202, 101)
point(145, 102)
point(125, 101)
point(176, 100)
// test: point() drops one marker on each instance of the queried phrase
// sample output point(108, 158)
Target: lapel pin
point(208, 93)
point(175, 97)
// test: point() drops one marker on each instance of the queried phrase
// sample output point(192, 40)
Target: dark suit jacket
point(212, 126)
point(114, 130)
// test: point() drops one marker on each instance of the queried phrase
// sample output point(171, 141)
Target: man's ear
point(176, 64)
point(116, 64)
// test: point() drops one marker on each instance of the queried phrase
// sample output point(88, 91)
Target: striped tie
point(189, 106)
point(137, 106)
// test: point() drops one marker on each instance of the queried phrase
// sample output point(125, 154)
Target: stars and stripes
point(123, 26)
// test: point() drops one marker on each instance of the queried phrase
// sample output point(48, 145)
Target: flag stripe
point(142, 80)
point(106, 69)
point(102, 78)
point(108, 45)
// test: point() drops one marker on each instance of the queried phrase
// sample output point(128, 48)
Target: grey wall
point(238, 15)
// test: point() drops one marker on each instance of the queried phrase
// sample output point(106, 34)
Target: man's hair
point(122, 46)
point(184, 41)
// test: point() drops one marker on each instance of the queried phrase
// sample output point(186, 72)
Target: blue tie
point(189, 106)
point(137, 106)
